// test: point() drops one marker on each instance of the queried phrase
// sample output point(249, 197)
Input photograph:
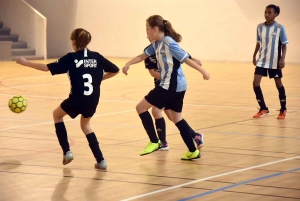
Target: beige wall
point(219, 30)
point(222, 30)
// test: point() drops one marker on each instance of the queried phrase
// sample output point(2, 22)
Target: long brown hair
point(164, 26)
point(82, 38)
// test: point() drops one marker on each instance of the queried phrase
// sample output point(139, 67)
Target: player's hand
point(197, 61)
point(125, 69)
point(254, 61)
point(206, 76)
point(281, 63)
point(22, 61)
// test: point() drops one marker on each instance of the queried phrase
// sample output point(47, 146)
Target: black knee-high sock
point(193, 133)
point(62, 136)
point(282, 97)
point(94, 145)
point(260, 98)
point(148, 125)
point(160, 125)
point(185, 133)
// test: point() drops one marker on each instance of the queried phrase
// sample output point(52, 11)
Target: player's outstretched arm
point(194, 65)
point(135, 60)
point(37, 66)
point(109, 75)
point(197, 61)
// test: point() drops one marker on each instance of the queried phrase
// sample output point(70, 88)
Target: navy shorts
point(162, 98)
point(73, 108)
point(273, 73)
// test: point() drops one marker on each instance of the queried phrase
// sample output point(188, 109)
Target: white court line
point(51, 122)
point(24, 78)
point(140, 78)
point(128, 101)
point(211, 177)
point(34, 85)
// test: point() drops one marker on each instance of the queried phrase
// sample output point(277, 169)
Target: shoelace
point(260, 110)
point(281, 112)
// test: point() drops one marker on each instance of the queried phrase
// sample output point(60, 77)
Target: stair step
point(22, 52)
point(28, 57)
point(1, 24)
point(18, 45)
point(11, 37)
point(5, 31)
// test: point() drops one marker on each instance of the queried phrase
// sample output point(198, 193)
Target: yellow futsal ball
point(17, 104)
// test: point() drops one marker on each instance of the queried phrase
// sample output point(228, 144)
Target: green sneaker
point(191, 155)
point(151, 147)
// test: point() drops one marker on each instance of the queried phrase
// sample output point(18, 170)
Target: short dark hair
point(276, 8)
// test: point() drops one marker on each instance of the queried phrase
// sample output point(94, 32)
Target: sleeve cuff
point(184, 58)
point(147, 53)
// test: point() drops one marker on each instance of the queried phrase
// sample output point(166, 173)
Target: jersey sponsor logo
point(92, 63)
point(78, 63)
point(153, 60)
point(162, 51)
point(274, 33)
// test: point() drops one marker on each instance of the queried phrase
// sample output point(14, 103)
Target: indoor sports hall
point(243, 158)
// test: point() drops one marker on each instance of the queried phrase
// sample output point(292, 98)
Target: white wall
point(218, 30)
point(222, 30)
point(25, 22)
point(61, 18)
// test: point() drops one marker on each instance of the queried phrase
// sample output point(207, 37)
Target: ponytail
point(164, 26)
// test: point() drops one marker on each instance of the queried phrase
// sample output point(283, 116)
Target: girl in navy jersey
point(170, 92)
point(86, 70)
point(160, 125)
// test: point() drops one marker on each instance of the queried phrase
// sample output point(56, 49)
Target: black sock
point(193, 133)
point(160, 125)
point(62, 136)
point(282, 97)
point(185, 133)
point(94, 145)
point(260, 98)
point(149, 127)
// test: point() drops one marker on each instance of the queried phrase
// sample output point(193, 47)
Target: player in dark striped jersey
point(151, 65)
point(171, 90)
point(86, 70)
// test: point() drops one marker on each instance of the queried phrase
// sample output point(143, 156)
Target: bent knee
point(256, 84)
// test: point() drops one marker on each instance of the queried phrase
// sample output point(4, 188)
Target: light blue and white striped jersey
point(270, 38)
point(169, 57)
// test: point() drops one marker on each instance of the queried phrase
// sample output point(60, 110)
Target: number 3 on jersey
point(88, 84)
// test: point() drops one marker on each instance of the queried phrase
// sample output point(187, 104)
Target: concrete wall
point(61, 20)
point(23, 20)
point(5, 50)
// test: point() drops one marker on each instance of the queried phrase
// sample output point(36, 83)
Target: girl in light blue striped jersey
point(171, 90)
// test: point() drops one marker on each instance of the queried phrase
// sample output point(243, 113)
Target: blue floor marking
point(238, 184)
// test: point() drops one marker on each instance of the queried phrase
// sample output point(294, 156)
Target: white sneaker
point(102, 165)
point(68, 158)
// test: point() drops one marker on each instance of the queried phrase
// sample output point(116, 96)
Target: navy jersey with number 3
point(85, 69)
